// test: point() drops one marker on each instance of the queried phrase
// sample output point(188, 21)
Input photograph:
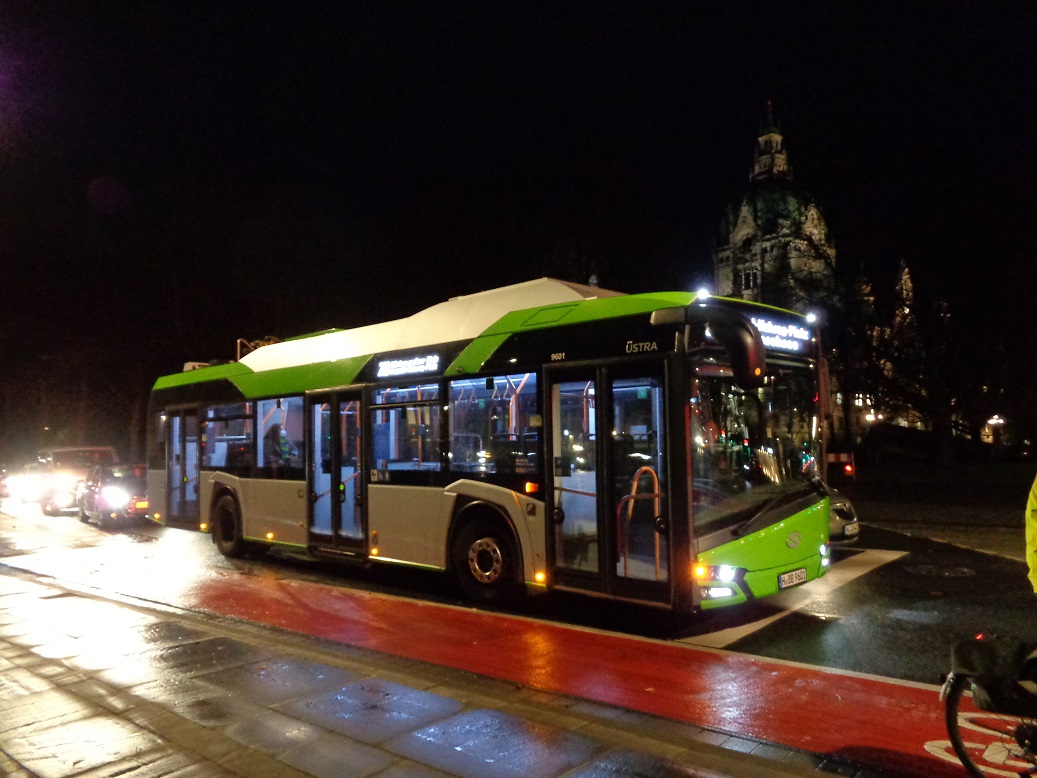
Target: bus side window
point(216, 454)
point(494, 424)
point(226, 442)
point(279, 443)
point(405, 428)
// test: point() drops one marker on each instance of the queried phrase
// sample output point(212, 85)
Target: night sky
point(174, 176)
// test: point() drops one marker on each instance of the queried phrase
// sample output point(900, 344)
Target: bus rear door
point(182, 468)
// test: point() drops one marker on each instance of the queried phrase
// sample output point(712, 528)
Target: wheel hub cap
point(485, 561)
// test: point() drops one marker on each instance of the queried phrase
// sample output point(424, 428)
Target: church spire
point(771, 159)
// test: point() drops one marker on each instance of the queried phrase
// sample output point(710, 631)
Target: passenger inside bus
point(277, 451)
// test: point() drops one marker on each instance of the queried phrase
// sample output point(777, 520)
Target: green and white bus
point(661, 449)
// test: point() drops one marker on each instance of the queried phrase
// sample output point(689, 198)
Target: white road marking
point(1007, 542)
point(842, 573)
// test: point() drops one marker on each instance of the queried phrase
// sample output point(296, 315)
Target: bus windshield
point(752, 451)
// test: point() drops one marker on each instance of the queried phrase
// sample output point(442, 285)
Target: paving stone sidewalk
point(93, 688)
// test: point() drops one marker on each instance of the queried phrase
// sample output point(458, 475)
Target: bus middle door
point(337, 517)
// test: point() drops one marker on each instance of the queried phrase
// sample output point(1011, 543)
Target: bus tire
point(485, 561)
point(226, 527)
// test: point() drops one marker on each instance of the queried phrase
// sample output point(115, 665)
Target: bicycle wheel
point(989, 744)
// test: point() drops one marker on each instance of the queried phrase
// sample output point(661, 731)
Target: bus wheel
point(485, 562)
point(226, 527)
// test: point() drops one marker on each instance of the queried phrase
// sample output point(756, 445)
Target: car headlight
point(115, 496)
point(26, 487)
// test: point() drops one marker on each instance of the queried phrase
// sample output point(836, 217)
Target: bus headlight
point(718, 581)
point(724, 573)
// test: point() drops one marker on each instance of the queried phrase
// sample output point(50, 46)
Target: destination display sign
point(782, 334)
point(428, 363)
point(420, 363)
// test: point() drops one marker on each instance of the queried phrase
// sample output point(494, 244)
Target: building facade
point(775, 247)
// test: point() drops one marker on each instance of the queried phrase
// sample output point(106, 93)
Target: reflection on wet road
point(791, 703)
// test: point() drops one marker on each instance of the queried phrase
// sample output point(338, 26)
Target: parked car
point(114, 494)
point(843, 525)
point(64, 469)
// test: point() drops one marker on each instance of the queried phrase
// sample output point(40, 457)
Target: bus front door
point(609, 508)
point(182, 468)
point(335, 474)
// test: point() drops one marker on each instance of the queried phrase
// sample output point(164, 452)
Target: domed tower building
point(775, 246)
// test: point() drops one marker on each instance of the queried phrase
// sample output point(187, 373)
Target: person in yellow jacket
point(1031, 534)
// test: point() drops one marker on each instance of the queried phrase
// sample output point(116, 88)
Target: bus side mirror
point(729, 328)
point(745, 347)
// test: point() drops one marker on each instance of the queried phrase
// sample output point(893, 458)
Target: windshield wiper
point(750, 524)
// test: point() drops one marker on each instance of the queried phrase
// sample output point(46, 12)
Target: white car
point(843, 525)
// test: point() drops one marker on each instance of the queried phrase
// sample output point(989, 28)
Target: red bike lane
point(886, 725)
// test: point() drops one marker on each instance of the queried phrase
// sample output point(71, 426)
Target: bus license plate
point(791, 579)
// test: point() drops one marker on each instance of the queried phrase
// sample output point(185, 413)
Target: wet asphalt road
point(891, 607)
point(900, 620)
point(897, 619)
point(957, 536)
